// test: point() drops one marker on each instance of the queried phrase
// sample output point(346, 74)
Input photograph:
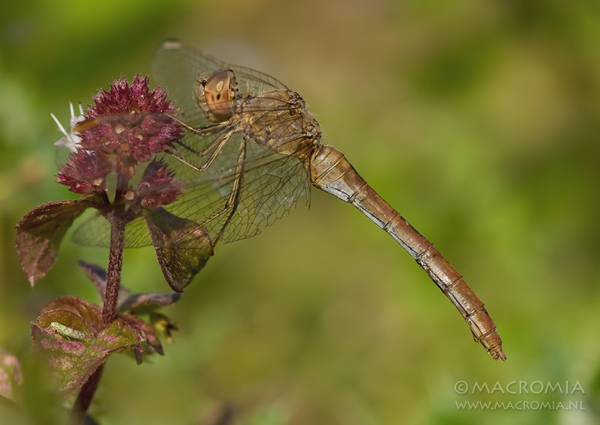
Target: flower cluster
point(117, 139)
point(114, 164)
point(125, 126)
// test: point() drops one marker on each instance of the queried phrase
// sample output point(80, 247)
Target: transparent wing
point(178, 68)
point(270, 186)
point(270, 183)
point(95, 231)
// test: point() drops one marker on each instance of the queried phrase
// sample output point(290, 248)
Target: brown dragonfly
point(256, 149)
point(251, 150)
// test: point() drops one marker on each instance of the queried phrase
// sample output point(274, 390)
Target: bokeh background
point(479, 121)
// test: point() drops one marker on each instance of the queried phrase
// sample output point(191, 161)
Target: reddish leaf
point(74, 352)
point(11, 377)
point(145, 329)
point(182, 246)
point(144, 303)
point(90, 314)
point(98, 276)
point(135, 304)
point(40, 233)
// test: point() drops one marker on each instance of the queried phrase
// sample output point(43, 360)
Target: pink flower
point(127, 124)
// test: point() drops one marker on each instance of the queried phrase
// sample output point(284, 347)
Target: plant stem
point(115, 256)
point(111, 295)
point(115, 264)
point(85, 396)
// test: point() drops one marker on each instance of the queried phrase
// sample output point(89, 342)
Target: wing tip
point(171, 44)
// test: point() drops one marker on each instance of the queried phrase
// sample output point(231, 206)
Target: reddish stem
point(85, 396)
point(115, 256)
point(113, 282)
point(115, 264)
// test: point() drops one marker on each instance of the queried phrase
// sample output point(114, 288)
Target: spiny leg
point(200, 132)
point(233, 200)
point(214, 149)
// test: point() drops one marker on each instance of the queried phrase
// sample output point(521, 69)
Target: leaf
point(11, 377)
point(88, 313)
point(68, 333)
point(98, 277)
point(145, 303)
point(163, 326)
point(182, 246)
point(135, 305)
point(41, 231)
point(145, 329)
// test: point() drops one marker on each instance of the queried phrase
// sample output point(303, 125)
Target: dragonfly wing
point(178, 68)
point(95, 231)
point(270, 185)
point(269, 190)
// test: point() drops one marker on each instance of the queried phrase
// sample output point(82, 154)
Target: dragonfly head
point(215, 94)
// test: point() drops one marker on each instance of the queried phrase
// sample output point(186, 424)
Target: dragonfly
point(251, 150)
point(254, 141)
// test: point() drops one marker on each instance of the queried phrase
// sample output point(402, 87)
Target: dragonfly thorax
point(279, 119)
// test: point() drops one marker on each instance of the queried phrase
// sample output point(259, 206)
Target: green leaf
point(88, 314)
point(146, 330)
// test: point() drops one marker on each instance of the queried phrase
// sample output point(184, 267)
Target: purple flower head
point(158, 186)
point(85, 172)
point(131, 121)
point(126, 125)
point(115, 165)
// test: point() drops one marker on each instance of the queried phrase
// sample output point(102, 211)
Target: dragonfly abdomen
point(331, 172)
point(452, 284)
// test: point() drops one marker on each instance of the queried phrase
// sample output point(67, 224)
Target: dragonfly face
point(215, 94)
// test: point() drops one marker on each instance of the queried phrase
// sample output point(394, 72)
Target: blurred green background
point(479, 121)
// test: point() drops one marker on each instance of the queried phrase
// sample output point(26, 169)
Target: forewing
point(178, 68)
point(270, 185)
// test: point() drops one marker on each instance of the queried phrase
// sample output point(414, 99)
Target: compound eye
point(218, 93)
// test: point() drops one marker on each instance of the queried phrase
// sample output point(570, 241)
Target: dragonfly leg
point(200, 131)
point(214, 149)
point(232, 202)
